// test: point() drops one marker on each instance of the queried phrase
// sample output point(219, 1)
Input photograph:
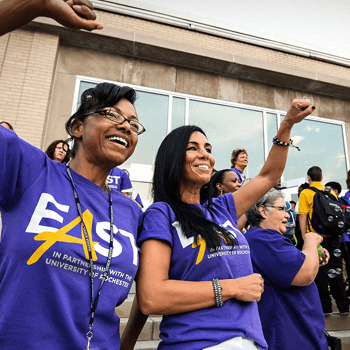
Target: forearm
point(302, 224)
point(276, 160)
point(172, 296)
point(133, 328)
point(309, 269)
point(241, 222)
point(16, 13)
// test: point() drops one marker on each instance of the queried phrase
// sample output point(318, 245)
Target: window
point(228, 126)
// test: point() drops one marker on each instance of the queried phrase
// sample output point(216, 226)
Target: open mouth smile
point(202, 166)
point(119, 140)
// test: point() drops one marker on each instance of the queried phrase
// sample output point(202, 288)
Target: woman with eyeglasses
point(68, 253)
point(290, 308)
point(195, 266)
point(59, 151)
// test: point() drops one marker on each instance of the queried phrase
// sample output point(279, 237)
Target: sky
point(322, 25)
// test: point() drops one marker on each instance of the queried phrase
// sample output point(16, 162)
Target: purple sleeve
point(228, 202)
point(156, 224)
point(20, 166)
point(125, 183)
point(274, 256)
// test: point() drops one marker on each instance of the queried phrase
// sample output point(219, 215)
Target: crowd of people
point(209, 254)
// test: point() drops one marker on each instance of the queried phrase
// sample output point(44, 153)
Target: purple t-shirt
point(292, 317)
point(213, 325)
point(44, 273)
point(347, 195)
point(241, 176)
point(119, 180)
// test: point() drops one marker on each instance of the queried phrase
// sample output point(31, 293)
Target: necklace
point(94, 303)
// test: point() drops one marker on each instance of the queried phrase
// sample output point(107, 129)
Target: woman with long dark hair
point(195, 266)
point(68, 254)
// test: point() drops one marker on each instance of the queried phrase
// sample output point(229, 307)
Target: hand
point(248, 288)
point(75, 14)
point(325, 261)
point(299, 110)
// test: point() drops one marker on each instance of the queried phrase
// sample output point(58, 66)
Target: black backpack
point(327, 216)
point(346, 210)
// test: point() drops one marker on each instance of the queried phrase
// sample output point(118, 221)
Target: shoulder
point(257, 233)
point(159, 207)
point(119, 200)
point(116, 172)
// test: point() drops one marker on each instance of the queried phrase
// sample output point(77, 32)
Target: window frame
point(187, 97)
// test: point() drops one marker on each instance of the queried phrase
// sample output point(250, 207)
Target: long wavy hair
point(168, 175)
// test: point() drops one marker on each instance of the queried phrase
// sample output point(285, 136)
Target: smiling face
point(199, 163)
point(104, 143)
point(274, 218)
point(242, 161)
point(229, 183)
point(60, 152)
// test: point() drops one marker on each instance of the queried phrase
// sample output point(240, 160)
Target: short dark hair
point(334, 186)
point(235, 153)
point(293, 202)
point(101, 96)
point(315, 173)
point(168, 174)
point(302, 187)
point(50, 151)
point(9, 125)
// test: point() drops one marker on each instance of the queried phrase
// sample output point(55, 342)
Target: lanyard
point(94, 303)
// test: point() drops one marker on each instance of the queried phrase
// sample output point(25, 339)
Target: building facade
point(236, 87)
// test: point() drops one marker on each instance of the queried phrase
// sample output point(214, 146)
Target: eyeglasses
point(119, 119)
point(282, 208)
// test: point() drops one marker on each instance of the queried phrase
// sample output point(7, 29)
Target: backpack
point(328, 216)
point(345, 204)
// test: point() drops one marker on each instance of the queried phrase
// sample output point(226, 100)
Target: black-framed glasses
point(119, 119)
point(282, 208)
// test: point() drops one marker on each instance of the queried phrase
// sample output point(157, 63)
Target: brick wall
point(180, 35)
point(27, 62)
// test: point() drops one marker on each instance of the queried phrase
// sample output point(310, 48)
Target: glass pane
point(228, 128)
point(179, 111)
point(271, 123)
point(152, 110)
point(321, 144)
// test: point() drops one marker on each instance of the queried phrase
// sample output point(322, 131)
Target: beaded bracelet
point(278, 142)
point(217, 292)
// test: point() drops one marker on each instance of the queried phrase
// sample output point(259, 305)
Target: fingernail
point(313, 107)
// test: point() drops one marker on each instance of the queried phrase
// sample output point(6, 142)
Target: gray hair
point(253, 214)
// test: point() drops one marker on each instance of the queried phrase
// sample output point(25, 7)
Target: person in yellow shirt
point(330, 274)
